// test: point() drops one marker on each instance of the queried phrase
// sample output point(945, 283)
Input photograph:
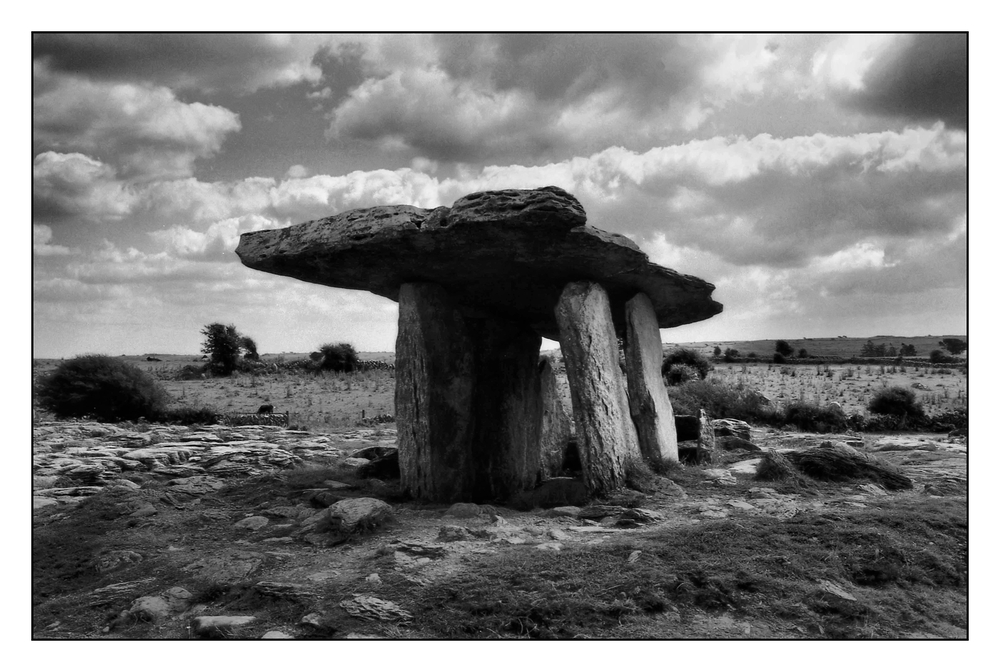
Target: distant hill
point(837, 346)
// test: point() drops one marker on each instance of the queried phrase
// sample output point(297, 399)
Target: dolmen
point(478, 285)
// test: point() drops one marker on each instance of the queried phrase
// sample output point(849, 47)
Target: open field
point(852, 386)
point(833, 348)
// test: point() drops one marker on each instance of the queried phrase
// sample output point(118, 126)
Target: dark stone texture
point(507, 252)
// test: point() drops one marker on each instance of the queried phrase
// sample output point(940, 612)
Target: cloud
point(41, 237)
point(142, 130)
point(493, 97)
point(200, 61)
point(70, 186)
point(918, 78)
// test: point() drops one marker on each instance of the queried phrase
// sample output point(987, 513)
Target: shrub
point(731, 354)
point(783, 348)
point(814, 418)
point(723, 401)
point(803, 353)
point(101, 387)
point(339, 357)
point(897, 401)
point(687, 357)
point(779, 358)
point(938, 357)
point(682, 373)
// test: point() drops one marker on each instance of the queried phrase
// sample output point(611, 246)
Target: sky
point(819, 181)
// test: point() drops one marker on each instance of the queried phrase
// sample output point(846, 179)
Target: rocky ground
point(170, 532)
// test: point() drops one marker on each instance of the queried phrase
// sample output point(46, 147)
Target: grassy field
point(835, 348)
point(336, 400)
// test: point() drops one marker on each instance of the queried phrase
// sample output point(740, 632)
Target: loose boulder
point(358, 514)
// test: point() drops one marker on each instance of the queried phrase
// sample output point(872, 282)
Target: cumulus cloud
point(74, 185)
point(241, 62)
point(41, 237)
point(143, 130)
point(473, 97)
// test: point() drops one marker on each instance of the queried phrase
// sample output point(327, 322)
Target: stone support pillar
point(556, 424)
point(468, 401)
point(605, 433)
point(434, 386)
point(647, 395)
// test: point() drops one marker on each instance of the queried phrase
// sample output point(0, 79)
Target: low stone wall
point(239, 419)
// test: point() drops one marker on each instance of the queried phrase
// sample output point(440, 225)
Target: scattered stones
point(833, 589)
point(451, 533)
point(361, 513)
point(719, 476)
point(375, 609)
point(552, 546)
point(730, 427)
point(219, 627)
point(560, 511)
point(252, 523)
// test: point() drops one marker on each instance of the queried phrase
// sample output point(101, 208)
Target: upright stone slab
point(556, 426)
point(647, 395)
point(507, 408)
point(606, 435)
point(468, 401)
point(434, 395)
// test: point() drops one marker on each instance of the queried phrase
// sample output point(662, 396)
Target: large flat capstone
point(506, 253)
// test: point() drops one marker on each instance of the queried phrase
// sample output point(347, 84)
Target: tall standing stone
point(468, 400)
point(507, 408)
point(556, 425)
point(647, 395)
point(434, 395)
point(606, 435)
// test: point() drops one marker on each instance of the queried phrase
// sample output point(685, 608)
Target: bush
point(687, 357)
point(813, 418)
point(723, 401)
point(897, 401)
point(938, 357)
point(101, 387)
point(338, 357)
point(730, 355)
point(682, 373)
point(779, 358)
point(783, 348)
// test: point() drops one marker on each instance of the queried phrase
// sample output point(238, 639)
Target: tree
point(249, 348)
point(338, 357)
point(686, 356)
point(731, 354)
point(955, 346)
point(222, 345)
point(803, 354)
point(783, 348)
point(868, 349)
point(717, 351)
point(907, 350)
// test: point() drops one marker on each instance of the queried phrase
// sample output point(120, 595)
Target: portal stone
point(468, 401)
point(556, 423)
point(606, 435)
point(647, 396)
